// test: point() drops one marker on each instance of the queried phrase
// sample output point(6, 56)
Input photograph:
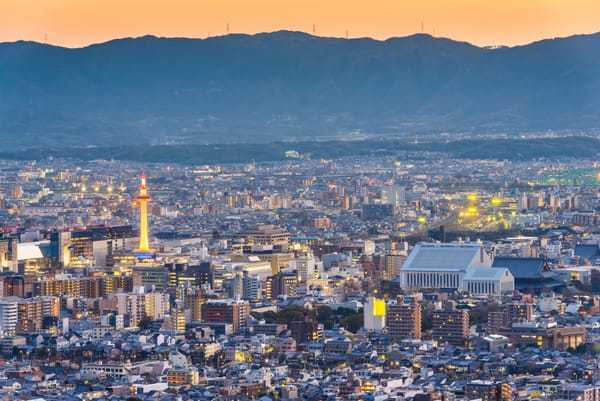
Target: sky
point(77, 23)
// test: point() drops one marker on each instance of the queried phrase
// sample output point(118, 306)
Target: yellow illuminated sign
point(379, 307)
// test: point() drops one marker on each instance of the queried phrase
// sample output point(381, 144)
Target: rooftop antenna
point(228, 28)
point(314, 29)
point(422, 26)
point(346, 34)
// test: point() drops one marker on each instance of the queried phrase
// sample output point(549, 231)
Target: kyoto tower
point(142, 201)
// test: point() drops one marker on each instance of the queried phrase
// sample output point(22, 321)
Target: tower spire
point(142, 201)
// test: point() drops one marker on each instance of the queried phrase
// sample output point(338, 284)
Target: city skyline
point(76, 24)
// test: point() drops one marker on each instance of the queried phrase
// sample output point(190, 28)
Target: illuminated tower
point(142, 201)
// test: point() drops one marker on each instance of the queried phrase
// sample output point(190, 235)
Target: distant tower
point(142, 201)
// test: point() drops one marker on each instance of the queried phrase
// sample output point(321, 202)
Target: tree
point(324, 313)
point(352, 323)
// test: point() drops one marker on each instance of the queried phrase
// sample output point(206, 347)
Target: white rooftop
point(494, 273)
point(29, 250)
point(447, 257)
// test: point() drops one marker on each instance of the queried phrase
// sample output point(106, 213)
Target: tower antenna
point(314, 29)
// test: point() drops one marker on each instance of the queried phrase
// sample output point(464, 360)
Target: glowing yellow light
point(422, 220)
point(96, 189)
point(496, 201)
point(239, 356)
point(83, 188)
point(399, 163)
point(472, 197)
point(142, 201)
point(110, 189)
point(379, 307)
point(472, 210)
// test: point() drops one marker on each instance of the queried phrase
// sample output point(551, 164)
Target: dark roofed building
point(531, 274)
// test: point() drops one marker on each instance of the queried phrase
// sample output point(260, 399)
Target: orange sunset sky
point(76, 23)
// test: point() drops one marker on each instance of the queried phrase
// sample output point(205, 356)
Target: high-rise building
point(60, 248)
point(304, 266)
point(280, 284)
point(250, 287)
point(235, 286)
point(194, 299)
point(451, 325)
point(234, 312)
point(194, 275)
point(13, 286)
point(8, 254)
point(403, 318)
point(178, 315)
point(8, 315)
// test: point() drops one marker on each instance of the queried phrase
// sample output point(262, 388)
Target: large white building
point(305, 267)
point(464, 266)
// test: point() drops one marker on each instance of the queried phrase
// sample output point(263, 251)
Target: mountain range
point(290, 86)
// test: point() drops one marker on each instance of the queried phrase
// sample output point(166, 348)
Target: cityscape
point(414, 278)
point(266, 200)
